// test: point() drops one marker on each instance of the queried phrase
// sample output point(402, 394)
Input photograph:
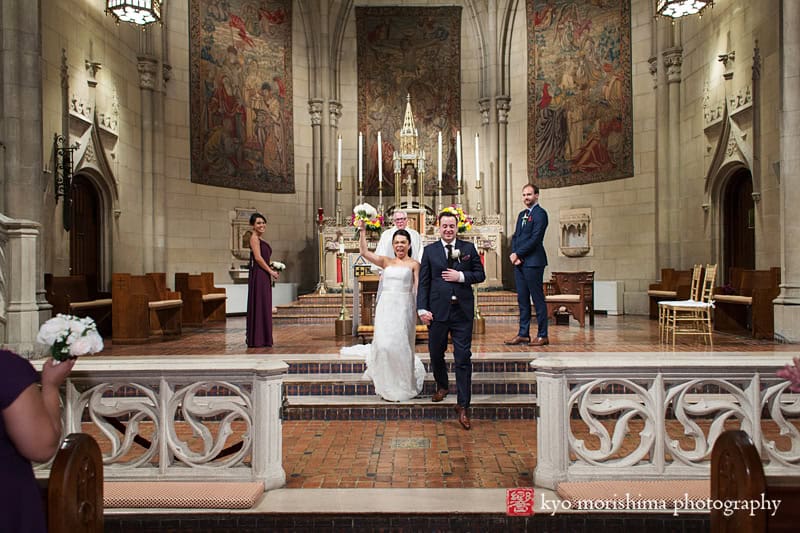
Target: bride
point(397, 373)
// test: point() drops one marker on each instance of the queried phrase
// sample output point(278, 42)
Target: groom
point(445, 303)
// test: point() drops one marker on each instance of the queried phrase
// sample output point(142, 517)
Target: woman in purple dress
point(30, 430)
point(259, 287)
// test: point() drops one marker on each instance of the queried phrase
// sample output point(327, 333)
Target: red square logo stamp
point(519, 501)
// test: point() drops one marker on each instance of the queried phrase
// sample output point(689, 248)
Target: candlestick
point(341, 247)
point(360, 158)
point(339, 160)
point(380, 158)
point(458, 157)
point(439, 158)
point(477, 161)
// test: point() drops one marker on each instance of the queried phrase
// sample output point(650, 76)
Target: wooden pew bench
point(74, 491)
point(674, 285)
point(748, 306)
point(202, 301)
point(144, 309)
point(78, 296)
point(737, 474)
point(573, 293)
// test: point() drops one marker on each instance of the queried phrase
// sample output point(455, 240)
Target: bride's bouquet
point(276, 265)
point(70, 336)
point(372, 220)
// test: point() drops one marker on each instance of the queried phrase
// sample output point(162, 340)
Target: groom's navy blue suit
point(453, 308)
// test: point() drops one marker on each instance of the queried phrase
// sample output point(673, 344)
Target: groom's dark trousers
point(461, 328)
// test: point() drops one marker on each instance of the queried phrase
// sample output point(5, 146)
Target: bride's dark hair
point(405, 234)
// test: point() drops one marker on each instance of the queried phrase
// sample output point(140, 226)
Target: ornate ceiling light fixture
point(140, 12)
point(681, 8)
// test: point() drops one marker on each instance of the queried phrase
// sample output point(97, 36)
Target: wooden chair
point(693, 296)
point(737, 474)
point(78, 296)
point(202, 301)
point(692, 317)
point(573, 293)
point(143, 308)
point(75, 487)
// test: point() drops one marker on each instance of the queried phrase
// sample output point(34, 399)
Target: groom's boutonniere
point(457, 255)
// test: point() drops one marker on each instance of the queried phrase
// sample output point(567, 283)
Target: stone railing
point(657, 416)
point(19, 312)
point(180, 418)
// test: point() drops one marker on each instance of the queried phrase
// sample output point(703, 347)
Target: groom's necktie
point(449, 254)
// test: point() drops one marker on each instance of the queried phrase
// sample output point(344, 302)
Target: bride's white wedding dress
point(397, 373)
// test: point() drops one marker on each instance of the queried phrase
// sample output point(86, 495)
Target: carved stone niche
point(240, 242)
point(576, 232)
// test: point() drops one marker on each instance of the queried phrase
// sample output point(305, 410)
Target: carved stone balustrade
point(619, 395)
point(189, 418)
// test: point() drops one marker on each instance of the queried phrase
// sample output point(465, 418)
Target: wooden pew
point(143, 308)
point(737, 474)
point(572, 292)
point(749, 308)
point(78, 296)
point(75, 487)
point(202, 301)
point(674, 285)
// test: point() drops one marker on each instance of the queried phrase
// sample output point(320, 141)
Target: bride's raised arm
point(378, 260)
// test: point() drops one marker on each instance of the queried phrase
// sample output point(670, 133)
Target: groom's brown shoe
point(463, 417)
point(439, 395)
point(539, 341)
point(517, 340)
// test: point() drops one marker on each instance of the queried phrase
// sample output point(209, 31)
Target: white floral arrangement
point(70, 336)
point(276, 265)
point(372, 220)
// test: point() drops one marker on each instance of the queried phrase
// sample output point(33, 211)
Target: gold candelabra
point(344, 324)
point(321, 246)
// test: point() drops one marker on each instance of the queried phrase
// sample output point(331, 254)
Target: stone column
point(328, 184)
point(21, 122)
point(552, 429)
point(787, 304)
point(503, 104)
point(148, 85)
point(315, 106)
point(486, 194)
point(673, 59)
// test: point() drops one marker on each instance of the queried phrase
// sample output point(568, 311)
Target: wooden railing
point(198, 418)
point(606, 415)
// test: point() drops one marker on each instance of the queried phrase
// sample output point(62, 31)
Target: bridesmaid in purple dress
point(259, 287)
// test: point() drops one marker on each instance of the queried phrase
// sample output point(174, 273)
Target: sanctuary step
point(495, 306)
point(335, 389)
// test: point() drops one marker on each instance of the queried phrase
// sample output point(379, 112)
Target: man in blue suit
point(529, 259)
point(446, 305)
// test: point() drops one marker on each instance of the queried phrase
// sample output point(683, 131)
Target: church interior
point(137, 138)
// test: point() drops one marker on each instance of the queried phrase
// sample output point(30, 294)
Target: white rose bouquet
point(276, 265)
point(70, 336)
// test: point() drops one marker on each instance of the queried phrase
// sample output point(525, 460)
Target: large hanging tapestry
point(580, 126)
point(409, 51)
point(241, 94)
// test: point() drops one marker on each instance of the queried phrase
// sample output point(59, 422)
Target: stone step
point(352, 384)
point(484, 407)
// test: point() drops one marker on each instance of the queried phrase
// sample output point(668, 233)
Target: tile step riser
point(359, 367)
point(443, 412)
point(367, 389)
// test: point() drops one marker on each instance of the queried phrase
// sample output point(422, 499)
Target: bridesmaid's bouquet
point(464, 220)
point(276, 265)
point(70, 336)
point(372, 220)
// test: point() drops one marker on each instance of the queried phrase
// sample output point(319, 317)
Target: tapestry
point(240, 94)
point(580, 106)
point(409, 52)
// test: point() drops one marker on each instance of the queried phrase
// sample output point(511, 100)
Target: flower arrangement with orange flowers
point(372, 220)
point(464, 220)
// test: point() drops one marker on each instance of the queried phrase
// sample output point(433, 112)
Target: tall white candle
point(360, 158)
point(339, 160)
point(477, 160)
point(458, 157)
point(439, 158)
point(380, 158)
